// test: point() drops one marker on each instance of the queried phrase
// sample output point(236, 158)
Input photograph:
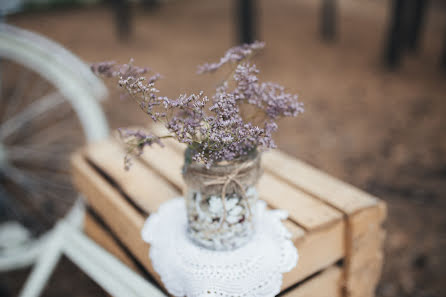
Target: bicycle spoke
point(19, 153)
point(42, 151)
point(2, 71)
point(14, 101)
point(51, 133)
point(34, 110)
point(30, 201)
point(53, 176)
point(32, 183)
point(37, 90)
point(43, 178)
point(8, 205)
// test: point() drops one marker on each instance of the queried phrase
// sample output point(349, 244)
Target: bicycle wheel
point(48, 109)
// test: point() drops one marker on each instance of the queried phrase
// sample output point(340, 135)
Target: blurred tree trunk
point(122, 15)
point(415, 23)
point(395, 39)
point(246, 20)
point(328, 20)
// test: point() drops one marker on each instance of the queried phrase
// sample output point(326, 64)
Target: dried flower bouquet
point(225, 135)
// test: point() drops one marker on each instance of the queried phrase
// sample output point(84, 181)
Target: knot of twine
point(225, 180)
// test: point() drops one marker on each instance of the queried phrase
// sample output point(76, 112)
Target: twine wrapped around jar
point(221, 201)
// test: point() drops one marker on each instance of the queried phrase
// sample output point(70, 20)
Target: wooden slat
point(367, 220)
point(101, 237)
point(325, 284)
point(125, 221)
point(297, 233)
point(337, 193)
point(92, 184)
point(364, 237)
point(317, 250)
point(363, 282)
point(147, 189)
point(302, 208)
point(364, 213)
point(362, 255)
point(167, 162)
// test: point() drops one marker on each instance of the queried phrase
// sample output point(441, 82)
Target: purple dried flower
point(136, 141)
point(111, 69)
point(214, 128)
point(233, 55)
point(103, 68)
point(269, 97)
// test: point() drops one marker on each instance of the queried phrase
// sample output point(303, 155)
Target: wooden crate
point(336, 227)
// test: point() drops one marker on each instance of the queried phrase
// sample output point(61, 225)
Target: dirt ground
point(381, 131)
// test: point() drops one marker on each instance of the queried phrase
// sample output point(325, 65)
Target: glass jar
point(221, 201)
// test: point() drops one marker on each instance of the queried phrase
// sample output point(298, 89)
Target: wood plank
point(364, 213)
point(317, 250)
point(102, 236)
point(362, 225)
point(93, 230)
point(92, 184)
point(367, 220)
point(302, 208)
point(166, 162)
point(297, 233)
point(371, 247)
point(171, 154)
point(363, 282)
point(326, 284)
point(122, 218)
point(160, 130)
point(339, 194)
point(147, 189)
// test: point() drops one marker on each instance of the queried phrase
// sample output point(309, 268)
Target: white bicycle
point(48, 102)
point(49, 106)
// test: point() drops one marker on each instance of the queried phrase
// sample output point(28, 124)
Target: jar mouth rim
point(252, 155)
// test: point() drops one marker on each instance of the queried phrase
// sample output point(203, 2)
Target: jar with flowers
point(225, 134)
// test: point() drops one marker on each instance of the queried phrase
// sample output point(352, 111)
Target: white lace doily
point(186, 269)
